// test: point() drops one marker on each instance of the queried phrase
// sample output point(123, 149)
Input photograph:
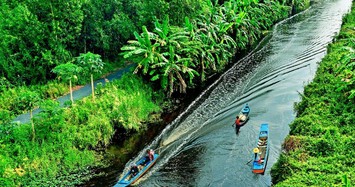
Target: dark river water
point(201, 148)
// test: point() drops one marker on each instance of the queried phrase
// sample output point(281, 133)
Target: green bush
point(67, 139)
point(13, 101)
point(325, 122)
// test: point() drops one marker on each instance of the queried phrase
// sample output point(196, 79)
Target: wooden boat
point(261, 151)
point(244, 115)
point(129, 179)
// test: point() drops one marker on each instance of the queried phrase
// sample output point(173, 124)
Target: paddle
point(235, 125)
point(249, 161)
point(161, 145)
point(159, 148)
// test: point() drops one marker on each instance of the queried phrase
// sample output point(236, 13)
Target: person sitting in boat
point(237, 121)
point(134, 170)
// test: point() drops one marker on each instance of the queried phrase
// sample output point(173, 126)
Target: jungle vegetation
point(49, 47)
point(319, 150)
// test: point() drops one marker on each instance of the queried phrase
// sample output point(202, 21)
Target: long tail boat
point(130, 178)
point(261, 151)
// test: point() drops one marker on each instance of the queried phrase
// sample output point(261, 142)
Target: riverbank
point(68, 142)
point(319, 149)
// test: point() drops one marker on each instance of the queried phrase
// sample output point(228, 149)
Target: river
point(201, 148)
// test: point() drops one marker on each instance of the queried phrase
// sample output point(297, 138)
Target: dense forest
point(38, 35)
point(319, 150)
point(49, 47)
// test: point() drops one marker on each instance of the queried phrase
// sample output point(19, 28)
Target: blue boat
point(243, 117)
point(244, 114)
point(261, 151)
point(129, 178)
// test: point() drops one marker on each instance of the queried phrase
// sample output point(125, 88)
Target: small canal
point(201, 148)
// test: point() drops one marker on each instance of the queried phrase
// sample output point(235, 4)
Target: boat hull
point(261, 151)
point(127, 180)
point(243, 115)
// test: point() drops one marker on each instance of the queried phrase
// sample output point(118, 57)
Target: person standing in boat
point(237, 124)
point(151, 154)
point(256, 152)
point(237, 121)
point(149, 157)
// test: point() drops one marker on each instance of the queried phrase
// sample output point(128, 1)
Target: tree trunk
point(171, 84)
point(183, 85)
point(33, 127)
point(92, 88)
point(202, 70)
point(85, 39)
point(71, 92)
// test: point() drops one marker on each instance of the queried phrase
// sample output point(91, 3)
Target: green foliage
point(91, 63)
point(105, 30)
point(37, 36)
point(5, 116)
point(4, 84)
point(67, 71)
point(179, 9)
point(126, 96)
point(12, 101)
point(346, 181)
point(281, 169)
point(67, 139)
point(40, 35)
point(51, 90)
point(172, 54)
point(28, 100)
point(325, 122)
point(300, 5)
point(162, 54)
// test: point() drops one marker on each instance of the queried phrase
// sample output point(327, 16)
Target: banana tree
point(154, 52)
point(214, 32)
point(170, 35)
point(173, 72)
point(144, 50)
point(195, 48)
